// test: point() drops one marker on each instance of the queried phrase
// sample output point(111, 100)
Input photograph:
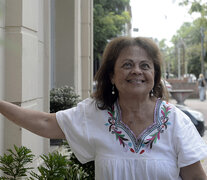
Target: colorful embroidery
point(164, 119)
point(114, 130)
point(147, 139)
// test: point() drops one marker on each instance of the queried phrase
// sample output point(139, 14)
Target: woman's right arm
point(40, 123)
point(193, 172)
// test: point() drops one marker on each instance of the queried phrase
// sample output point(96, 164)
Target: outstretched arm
point(193, 172)
point(40, 123)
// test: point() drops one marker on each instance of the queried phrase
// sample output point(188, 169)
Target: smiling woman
point(129, 87)
point(127, 127)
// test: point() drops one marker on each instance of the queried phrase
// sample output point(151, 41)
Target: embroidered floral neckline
point(147, 138)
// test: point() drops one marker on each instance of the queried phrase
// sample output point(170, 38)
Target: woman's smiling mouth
point(135, 81)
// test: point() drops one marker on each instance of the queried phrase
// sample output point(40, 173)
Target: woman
point(126, 126)
point(202, 87)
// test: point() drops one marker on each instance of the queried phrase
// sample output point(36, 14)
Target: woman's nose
point(136, 70)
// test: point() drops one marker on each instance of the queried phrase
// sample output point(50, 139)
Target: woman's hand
point(193, 172)
point(40, 123)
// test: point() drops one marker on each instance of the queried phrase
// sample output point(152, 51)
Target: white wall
point(27, 62)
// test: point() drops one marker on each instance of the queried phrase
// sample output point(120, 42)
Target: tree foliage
point(196, 6)
point(187, 41)
point(198, 38)
point(110, 17)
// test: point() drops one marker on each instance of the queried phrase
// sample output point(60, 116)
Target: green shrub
point(60, 99)
point(55, 167)
point(13, 164)
point(88, 169)
point(59, 167)
point(63, 98)
point(76, 172)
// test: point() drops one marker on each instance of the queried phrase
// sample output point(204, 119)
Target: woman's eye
point(145, 66)
point(127, 65)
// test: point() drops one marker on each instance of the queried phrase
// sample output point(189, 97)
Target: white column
point(77, 49)
point(73, 45)
point(67, 44)
point(45, 53)
point(26, 67)
point(179, 74)
point(2, 68)
point(87, 46)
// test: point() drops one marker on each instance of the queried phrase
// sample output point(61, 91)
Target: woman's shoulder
point(85, 108)
point(180, 118)
point(171, 105)
point(89, 104)
point(88, 101)
point(174, 112)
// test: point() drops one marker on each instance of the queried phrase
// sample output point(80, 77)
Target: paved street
point(196, 104)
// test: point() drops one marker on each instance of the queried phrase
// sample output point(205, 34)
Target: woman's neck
point(127, 104)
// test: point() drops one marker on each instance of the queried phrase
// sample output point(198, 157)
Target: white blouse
point(159, 152)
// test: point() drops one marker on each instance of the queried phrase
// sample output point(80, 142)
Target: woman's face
point(133, 72)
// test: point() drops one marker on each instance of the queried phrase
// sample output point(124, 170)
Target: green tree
point(194, 63)
point(197, 6)
point(163, 47)
point(188, 39)
point(110, 17)
point(168, 58)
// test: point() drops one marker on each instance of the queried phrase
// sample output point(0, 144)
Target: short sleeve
point(190, 146)
point(74, 125)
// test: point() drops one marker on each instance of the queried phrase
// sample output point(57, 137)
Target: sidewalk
point(196, 104)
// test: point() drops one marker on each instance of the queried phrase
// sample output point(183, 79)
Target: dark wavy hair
point(103, 94)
